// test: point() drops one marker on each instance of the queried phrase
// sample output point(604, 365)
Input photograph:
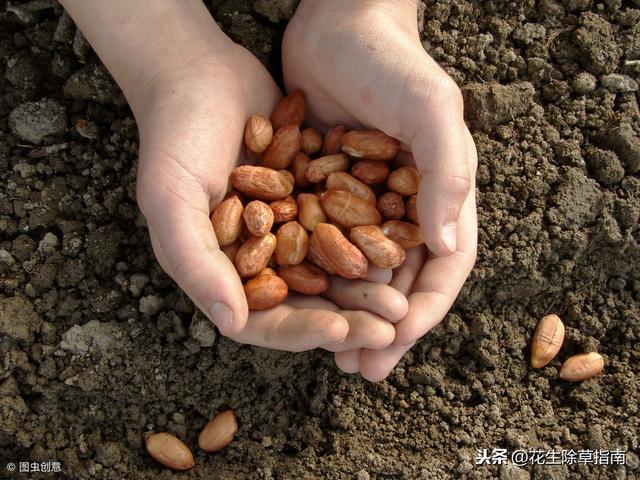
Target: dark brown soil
point(98, 346)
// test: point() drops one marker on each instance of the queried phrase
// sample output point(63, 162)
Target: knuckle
point(276, 330)
point(397, 304)
point(466, 260)
point(453, 92)
point(445, 89)
point(458, 185)
point(381, 336)
point(184, 270)
point(335, 327)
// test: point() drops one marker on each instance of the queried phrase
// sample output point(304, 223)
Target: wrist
point(142, 41)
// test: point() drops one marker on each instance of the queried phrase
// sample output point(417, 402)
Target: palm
point(192, 127)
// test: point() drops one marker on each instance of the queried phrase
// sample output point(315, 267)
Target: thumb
point(439, 148)
point(186, 247)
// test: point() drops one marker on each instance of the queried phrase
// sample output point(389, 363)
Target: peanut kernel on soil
point(546, 341)
point(169, 450)
point(582, 366)
point(219, 432)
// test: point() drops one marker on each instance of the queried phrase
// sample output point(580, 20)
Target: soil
point(98, 345)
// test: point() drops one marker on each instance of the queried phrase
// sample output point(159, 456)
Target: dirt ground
point(98, 345)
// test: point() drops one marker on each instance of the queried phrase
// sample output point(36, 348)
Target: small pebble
point(6, 258)
point(32, 121)
point(151, 304)
point(584, 83)
point(137, 282)
point(619, 83)
point(48, 243)
point(202, 330)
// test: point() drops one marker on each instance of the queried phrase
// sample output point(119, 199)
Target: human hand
point(362, 63)
point(191, 90)
point(190, 137)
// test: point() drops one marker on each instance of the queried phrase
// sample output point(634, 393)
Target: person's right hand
point(361, 64)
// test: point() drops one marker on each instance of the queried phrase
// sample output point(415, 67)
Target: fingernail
point(448, 236)
point(221, 315)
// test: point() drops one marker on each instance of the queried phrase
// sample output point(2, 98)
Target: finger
point(378, 275)
point(293, 330)
point(441, 278)
point(439, 148)
point(376, 365)
point(373, 297)
point(437, 286)
point(406, 274)
point(313, 302)
point(349, 361)
point(366, 330)
point(177, 211)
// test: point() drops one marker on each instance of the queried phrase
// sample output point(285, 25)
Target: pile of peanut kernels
point(314, 206)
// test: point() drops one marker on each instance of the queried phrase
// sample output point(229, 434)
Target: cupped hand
point(362, 64)
point(191, 120)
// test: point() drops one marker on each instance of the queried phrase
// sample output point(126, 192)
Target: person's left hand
point(361, 64)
